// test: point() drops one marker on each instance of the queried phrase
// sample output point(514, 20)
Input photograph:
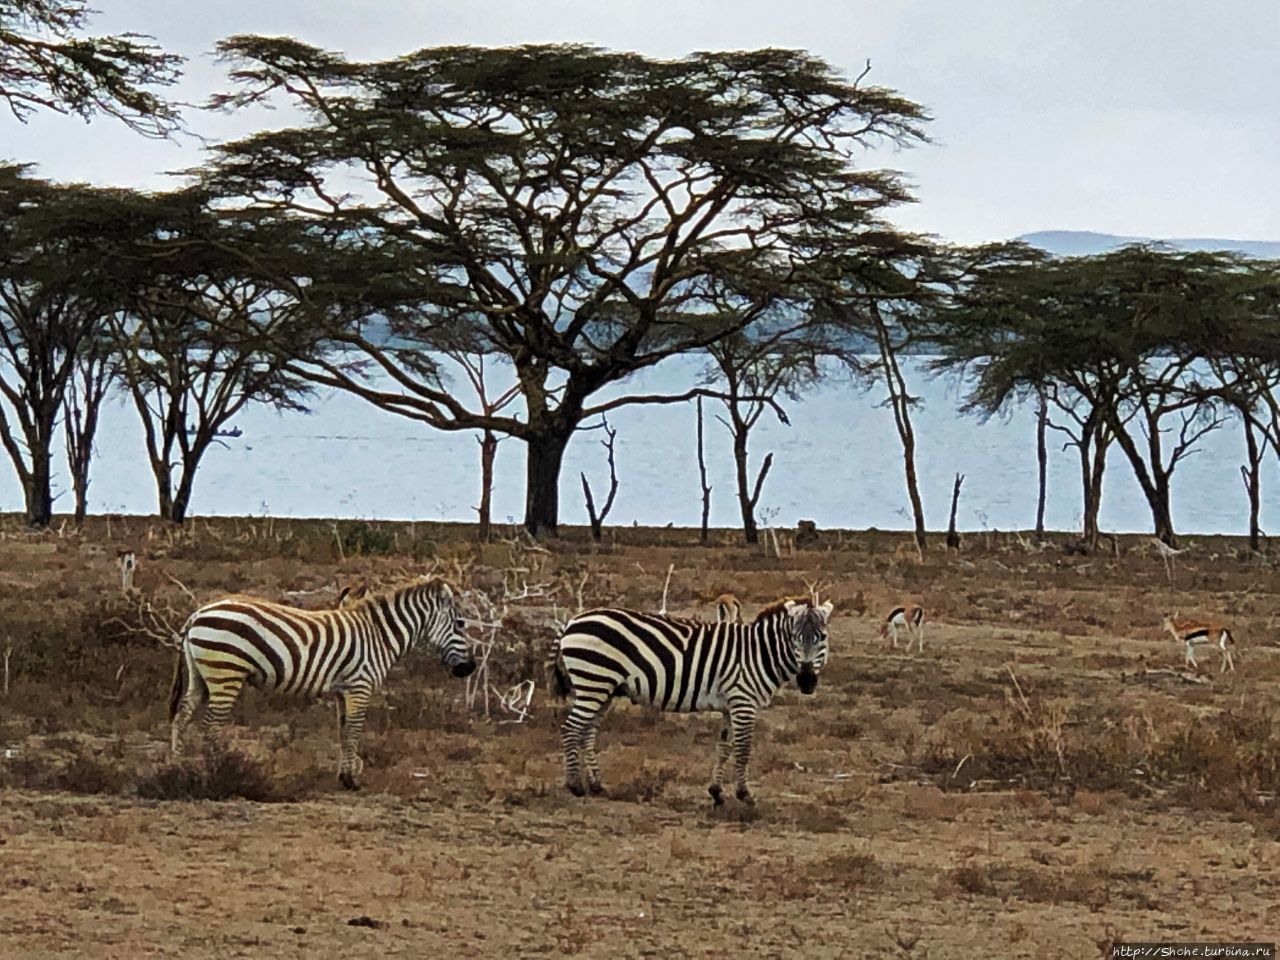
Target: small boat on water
point(232, 432)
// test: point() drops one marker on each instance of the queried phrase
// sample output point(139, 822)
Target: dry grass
point(1026, 759)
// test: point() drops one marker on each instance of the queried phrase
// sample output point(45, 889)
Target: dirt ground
point(1023, 788)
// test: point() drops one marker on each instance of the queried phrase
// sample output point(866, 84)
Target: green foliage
point(46, 62)
point(364, 539)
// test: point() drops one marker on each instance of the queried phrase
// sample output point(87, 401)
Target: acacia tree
point(47, 62)
point(58, 283)
point(1116, 342)
point(575, 210)
point(883, 295)
point(94, 372)
point(753, 372)
point(201, 334)
point(1242, 348)
point(1003, 323)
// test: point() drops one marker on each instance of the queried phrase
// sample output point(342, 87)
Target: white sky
point(1144, 117)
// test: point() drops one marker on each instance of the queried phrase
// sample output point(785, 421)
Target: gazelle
point(352, 593)
point(1192, 632)
point(909, 617)
point(728, 609)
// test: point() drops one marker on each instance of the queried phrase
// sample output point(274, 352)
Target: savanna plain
point(1042, 781)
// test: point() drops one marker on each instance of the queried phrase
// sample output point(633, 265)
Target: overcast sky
point(1141, 117)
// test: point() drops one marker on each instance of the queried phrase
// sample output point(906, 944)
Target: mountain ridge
point(1072, 243)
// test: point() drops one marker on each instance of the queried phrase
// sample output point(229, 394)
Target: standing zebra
point(683, 665)
point(346, 652)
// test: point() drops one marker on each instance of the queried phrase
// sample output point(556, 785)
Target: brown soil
point(1022, 789)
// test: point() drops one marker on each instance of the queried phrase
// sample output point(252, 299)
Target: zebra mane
point(431, 585)
point(778, 606)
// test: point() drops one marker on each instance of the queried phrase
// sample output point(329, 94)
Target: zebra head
point(809, 641)
point(445, 631)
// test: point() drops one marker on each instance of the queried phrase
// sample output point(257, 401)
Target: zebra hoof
point(348, 781)
point(717, 794)
point(745, 796)
point(575, 789)
point(596, 788)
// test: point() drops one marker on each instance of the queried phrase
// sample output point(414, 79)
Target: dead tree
point(597, 519)
point(1042, 461)
point(473, 364)
point(704, 534)
point(953, 538)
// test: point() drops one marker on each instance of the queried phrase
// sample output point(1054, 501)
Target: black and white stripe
point(309, 653)
point(683, 665)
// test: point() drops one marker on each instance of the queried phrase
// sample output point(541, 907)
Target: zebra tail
point(181, 670)
point(179, 682)
point(557, 677)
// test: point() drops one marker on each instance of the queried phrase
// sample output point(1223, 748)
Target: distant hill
point(1073, 243)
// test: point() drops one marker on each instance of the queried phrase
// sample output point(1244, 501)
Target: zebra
point(346, 652)
point(683, 665)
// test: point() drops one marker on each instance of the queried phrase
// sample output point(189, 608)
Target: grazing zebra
point(1192, 632)
point(910, 618)
point(728, 609)
point(683, 665)
point(346, 652)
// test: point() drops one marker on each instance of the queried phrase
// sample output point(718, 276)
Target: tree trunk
point(900, 401)
point(1252, 474)
point(181, 502)
point(1162, 511)
point(1042, 457)
point(1093, 465)
point(953, 537)
point(488, 450)
point(542, 482)
point(705, 533)
point(38, 492)
point(81, 405)
point(750, 532)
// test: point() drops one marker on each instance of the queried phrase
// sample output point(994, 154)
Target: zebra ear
point(825, 610)
point(793, 609)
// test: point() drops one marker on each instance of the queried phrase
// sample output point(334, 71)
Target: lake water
point(838, 463)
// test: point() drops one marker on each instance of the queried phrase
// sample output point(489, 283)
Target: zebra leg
point(578, 738)
point(355, 704)
point(744, 723)
point(723, 749)
point(222, 694)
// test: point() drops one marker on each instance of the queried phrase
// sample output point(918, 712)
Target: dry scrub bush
point(221, 774)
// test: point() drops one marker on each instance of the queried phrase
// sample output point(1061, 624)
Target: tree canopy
point(583, 214)
point(47, 62)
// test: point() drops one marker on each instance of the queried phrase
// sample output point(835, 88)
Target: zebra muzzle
point(807, 679)
point(464, 669)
